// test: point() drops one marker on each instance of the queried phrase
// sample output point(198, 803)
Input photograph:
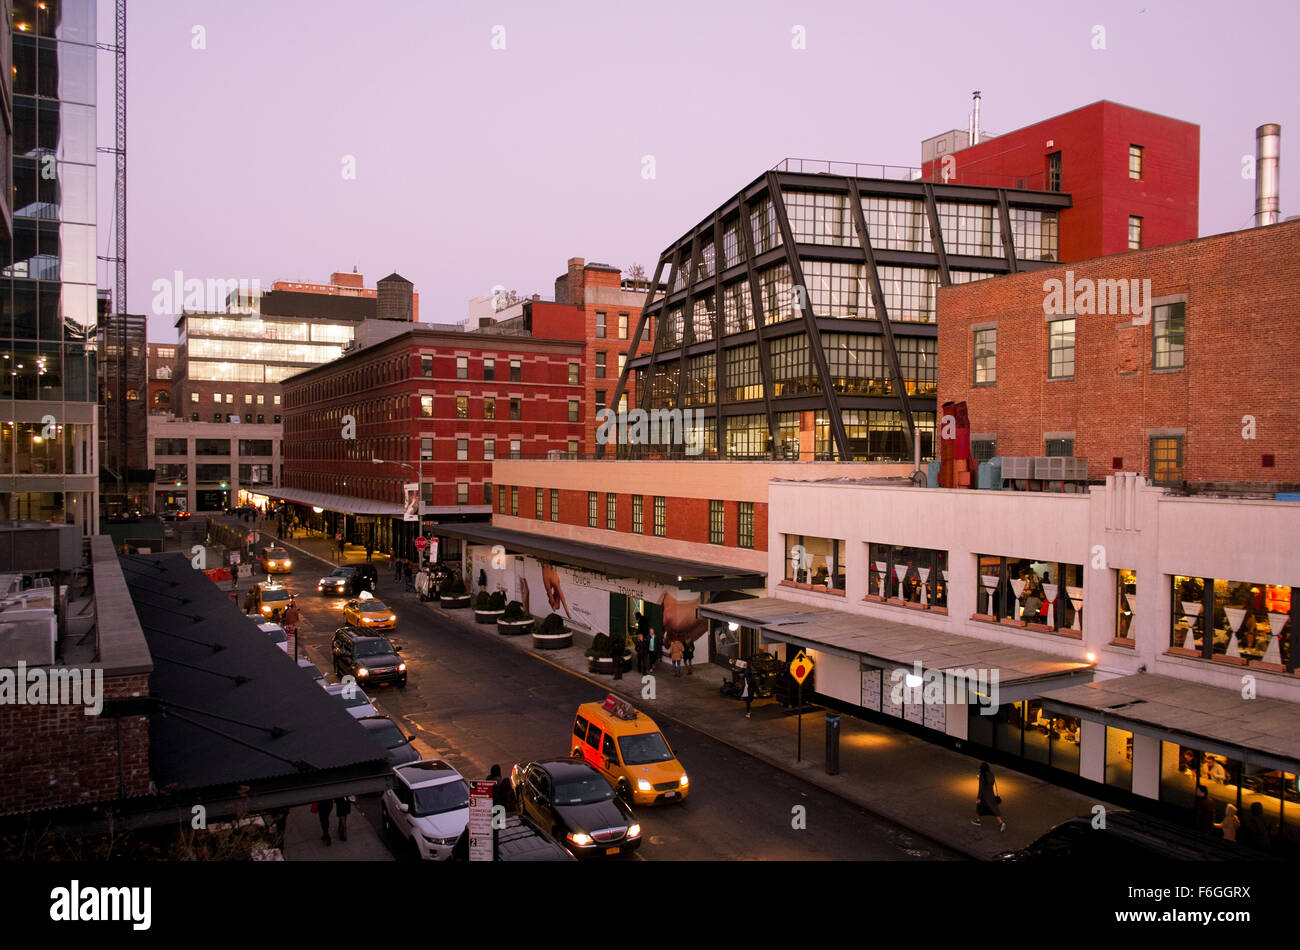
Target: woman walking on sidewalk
point(988, 799)
point(747, 691)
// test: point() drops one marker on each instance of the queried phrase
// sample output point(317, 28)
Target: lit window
point(986, 356)
point(1135, 162)
point(1061, 349)
point(1170, 328)
point(1134, 232)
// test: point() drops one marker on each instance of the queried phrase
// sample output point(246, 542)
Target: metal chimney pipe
point(975, 122)
point(1268, 147)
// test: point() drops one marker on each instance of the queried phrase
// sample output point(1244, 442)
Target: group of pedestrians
point(650, 645)
point(340, 806)
point(1250, 831)
point(404, 572)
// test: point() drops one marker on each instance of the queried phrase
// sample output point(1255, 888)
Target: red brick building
point(443, 404)
point(1198, 390)
point(1123, 167)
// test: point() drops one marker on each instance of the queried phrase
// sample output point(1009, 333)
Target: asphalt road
point(478, 701)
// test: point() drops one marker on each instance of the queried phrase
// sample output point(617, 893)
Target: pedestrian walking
point(397, 568)
point(249, 603)
point(280, 821)
point(502, 793)
point(290, 620)
point(370, 551)
point(987, 798)
point(652, 653)
point(688, 654)
point(482, 577)
point(344, 808)
point(1230, 823)
point(675, 652)
point(342, 545)
point(618, 646)
point(1254, 832)
point(1203, 810)
point(407, 574)
point(747, 691)
point(322, 810)
point(642, 653)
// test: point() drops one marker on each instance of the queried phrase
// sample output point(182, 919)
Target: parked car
point(1129, 837)
point(577, 804)
point(312, 670)
point(276, 633)
point(349, 580)
point(356, 702)
point(369, 659)
point(369, 613)
point(522, 840)
point(428, 806)
point(399, 748)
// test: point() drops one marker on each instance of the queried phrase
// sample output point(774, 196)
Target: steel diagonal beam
point(745, 233)
point(632, 348)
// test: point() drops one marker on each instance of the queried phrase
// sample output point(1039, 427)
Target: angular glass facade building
point(800, 322)
point(48, 395)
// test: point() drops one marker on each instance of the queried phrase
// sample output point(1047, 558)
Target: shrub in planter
point(481, 601)
point(489, 607)
point(497, 600)
point(550, 634)
point(600, 656)
point(454, 595)
point(514, 621)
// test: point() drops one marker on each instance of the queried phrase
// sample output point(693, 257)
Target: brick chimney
point(341, 279)
point(569, 286)
point(395, 299)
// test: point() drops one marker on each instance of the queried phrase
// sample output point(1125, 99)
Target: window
point(1044, 594)
point(1060, 347)
point(276, 400)
point(573, 374)
point(907, 574)
point(983, 449)
point(622, 361)
point(591, 509)
point(462, 450)
point(1060, 448)
point(600, 401)
point(516, 371)
point(745, 525)
point(462, 493)
point(426, 407)
point(426, 449)
point(638, 514)
point(462, 367)
point(573, 448)
point(717, 522)
point(622, 326)
point(1135, 162)
point(426, 367)
point(1167, 460)
point(1054, 172)
point(1126, 588)
point(1252, 619)
point(516, 409)
point(611, 511)
point(514, 500)
point(194, 397)
point(514, 448)
point(555, 504)
point(248, 399)
point(538, 502)
point(487, 493)
point(660, 519)
point(573, 410)
point(1134, 232)
point(600, 365)
point(216, 398)
point(489, 407)
point(489, 450)
point(986, 356)
point(489, 369)
point(600, 325)
point(211, 446)
point(462, 407)
point(1169, 335)
point(815, 561)
point(501, 499)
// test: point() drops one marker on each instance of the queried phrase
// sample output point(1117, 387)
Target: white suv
point(428, 805)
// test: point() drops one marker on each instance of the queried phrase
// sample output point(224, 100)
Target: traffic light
point(178, 483)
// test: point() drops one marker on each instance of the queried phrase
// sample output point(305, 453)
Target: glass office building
point(48, 468)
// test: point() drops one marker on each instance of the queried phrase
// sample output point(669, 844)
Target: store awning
point(345, 504)
point(1022, 673)
point(1258, 731)
point(612, 561)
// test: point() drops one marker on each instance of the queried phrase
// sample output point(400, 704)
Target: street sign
point(338, 537)
point(234, 557)
point(411, 509)
point(421, 543)
point(480, 821)
point(800, 667)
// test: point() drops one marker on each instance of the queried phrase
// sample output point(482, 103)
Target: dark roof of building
point(395, 276)
point(293, 303)
point(615, 562)
point(229, 706)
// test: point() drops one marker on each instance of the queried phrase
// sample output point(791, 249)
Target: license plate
point(670, 794)
point(611, 850)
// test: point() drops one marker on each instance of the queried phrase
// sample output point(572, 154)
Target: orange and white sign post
point(800, 667)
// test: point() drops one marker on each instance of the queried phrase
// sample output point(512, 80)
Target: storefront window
point(815, 561)
point(1119, 758)
point(908, 574)
point(1023, 729)
point(1250, 620)
point(1125, 603)
point(1044, 593)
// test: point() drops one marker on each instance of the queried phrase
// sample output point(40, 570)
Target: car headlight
point(581, 839)
point(634, 831)
point(367, 620)
point(288, 563)
point(266, 609)
point(685, 781)
point(362, 671)
point(643, 786)
point(392, 618)
point(401, 667)
point(445, 842)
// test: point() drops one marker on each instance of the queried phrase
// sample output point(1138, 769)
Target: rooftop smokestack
point(1268, 146)
point(973, 136)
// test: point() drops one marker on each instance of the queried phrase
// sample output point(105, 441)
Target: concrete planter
point(513, 628)
point(553, 641)
point(487, 616)
point(605, 664)
point(455, 603)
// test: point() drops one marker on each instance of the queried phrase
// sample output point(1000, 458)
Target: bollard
point(832, 744)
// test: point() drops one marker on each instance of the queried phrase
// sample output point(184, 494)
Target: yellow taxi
point(368, 613)
point(629, 750)
point(276, 561)
point(270, 599)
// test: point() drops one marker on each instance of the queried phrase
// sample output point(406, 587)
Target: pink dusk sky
point(478, 166)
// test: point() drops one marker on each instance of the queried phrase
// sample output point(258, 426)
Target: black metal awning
point(609, 560)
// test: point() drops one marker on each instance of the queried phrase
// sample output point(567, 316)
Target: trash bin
point(832, 744)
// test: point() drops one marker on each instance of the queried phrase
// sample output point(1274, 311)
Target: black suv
point(369, 659)
point(349, 580)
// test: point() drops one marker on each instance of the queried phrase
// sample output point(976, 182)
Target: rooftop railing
point(1038, 181)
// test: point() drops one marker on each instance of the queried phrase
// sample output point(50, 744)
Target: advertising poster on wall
point(582, 597)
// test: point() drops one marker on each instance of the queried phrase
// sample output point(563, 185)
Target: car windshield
point(389, 735)
point(358, 698)
point(584, 791)
point(436, 799)
point(276, 554)
point(372, 607)
point(343, 572)
point(270, 595)
point(644, 749)
point(377, 647)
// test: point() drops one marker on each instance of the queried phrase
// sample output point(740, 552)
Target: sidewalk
point(923, 787)
point(302, 840)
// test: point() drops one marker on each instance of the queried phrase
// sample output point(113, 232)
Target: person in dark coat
point(1254, 832)
point(642, 653)
point(1203, 810)
point(323, 810)
point(618, 646)
point(688, 654)
point(482, 578)
point(502, 793)
point(344, 808)
point(747, 687)
point(987, 799)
